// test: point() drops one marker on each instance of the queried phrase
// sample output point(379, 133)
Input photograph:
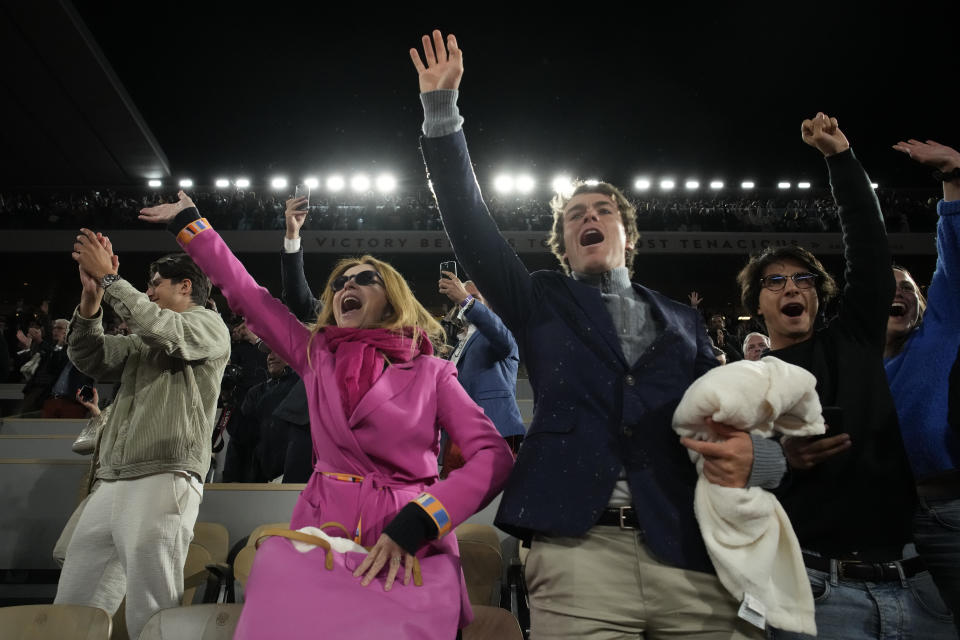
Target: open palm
point(933, 154)
point(444, 64)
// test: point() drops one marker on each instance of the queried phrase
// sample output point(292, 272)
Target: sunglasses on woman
point(362, 278)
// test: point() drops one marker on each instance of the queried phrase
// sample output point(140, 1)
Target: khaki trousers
point(132, 538)
point(607, 586)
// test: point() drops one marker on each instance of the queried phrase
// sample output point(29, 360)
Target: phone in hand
point(86, 393)
point(450, 266)
point(302, 191)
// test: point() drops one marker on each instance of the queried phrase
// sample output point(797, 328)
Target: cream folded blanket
point(746, 531)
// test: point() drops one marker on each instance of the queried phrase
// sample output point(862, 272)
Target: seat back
point(481, 560)
point(213, 537)
point(199, 622)
point(492, 623)
point(54, 622)
point(194, 572)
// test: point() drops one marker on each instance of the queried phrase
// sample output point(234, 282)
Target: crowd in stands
point(904, 211)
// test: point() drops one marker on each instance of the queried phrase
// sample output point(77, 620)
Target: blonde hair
point(403, 309)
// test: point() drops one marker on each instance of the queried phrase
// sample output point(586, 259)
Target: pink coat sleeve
point(488, 458)
point(266, 316)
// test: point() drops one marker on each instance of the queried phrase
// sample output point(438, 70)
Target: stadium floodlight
point(592, 182)
point(222, 183)
point(154, 183)
point(783, 185)
point(503, 183)
point(525, 183)
point(186, 183)
point(716, 184)
point(747, 184)
point(874, 185)
point(278, 183)
point(336, 183)
point(642, 184)
point(360, 183)
point(311, 183)
point(242, 183)
point(691, 185)
point(386, 183)
point(667, 185)
point(562, 185)
point(803, 185)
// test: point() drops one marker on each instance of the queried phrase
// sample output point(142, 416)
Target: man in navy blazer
point(602, 485)
point(486, 357)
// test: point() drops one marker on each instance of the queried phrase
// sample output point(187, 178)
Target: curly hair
point(628, 216)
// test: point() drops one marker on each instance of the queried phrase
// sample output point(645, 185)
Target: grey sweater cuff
point(769, 463)
point(441, 116)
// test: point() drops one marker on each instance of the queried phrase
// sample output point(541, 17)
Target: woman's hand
point(444, 66)
point(386, 550)
point(93, 406)
point(164, 213)
point(295, 214)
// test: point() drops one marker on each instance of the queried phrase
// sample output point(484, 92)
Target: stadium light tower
point(360, 183)
point(186, 183)
point(716, 185)
point(279, 183)
point(592, 182)
point(386, 183)
point(874, 185)
point(803, 185)
point(642, 184)
point(242, 183)
point(525, 183)
point(747, 184)
point(563, 185)
point(667, 185)
point(783, 185)
point(222, 183)
point(503, 183)
point(691, 185)
point(154, 183)
point(336, 183)
point(311, 183)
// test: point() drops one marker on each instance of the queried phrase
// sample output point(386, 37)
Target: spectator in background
point(922, 347)
point(51, 363)
point(717, 329)
point(487, 360)
point(754, 345)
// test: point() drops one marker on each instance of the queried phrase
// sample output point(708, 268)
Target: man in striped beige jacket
point(133, 536)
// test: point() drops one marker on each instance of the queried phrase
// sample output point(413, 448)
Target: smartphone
point(450, 266)
point(302, 191)
point(86, 393)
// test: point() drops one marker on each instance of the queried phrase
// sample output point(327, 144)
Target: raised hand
point(23, 339)
point(94, 254)
point(163, 213)
point(933, 154)
point(694, 299)
point(824, 133)
point(444, 64)
point(295, 216)
point(93, 405)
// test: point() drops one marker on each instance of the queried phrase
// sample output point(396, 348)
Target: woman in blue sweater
point(923, 341)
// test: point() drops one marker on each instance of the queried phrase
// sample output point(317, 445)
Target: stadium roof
point(67, 119)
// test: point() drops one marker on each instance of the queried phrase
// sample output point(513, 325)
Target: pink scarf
point(359, 355)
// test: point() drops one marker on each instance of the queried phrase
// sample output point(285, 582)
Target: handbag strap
point(300, 537)
point(320, 542)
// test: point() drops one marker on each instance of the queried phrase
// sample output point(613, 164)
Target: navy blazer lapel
point(590, 301)
point(395, 379)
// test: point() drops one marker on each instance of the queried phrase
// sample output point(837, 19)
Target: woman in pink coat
point(377, 400)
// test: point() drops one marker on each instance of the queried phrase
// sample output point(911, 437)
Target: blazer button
point(630, 380)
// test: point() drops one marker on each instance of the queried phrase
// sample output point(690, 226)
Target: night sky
point(676, 91)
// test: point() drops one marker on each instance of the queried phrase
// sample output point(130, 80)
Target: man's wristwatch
point(108, 280)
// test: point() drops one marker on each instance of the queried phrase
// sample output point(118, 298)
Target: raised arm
point(943, 300)
point(869, 285)
point(487, 256)
point(265, 315)
point(296, 291)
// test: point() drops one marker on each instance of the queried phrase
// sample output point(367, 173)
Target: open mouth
point(897, 310)
point(590, 236)
point(792, 310)
point(350, 303)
